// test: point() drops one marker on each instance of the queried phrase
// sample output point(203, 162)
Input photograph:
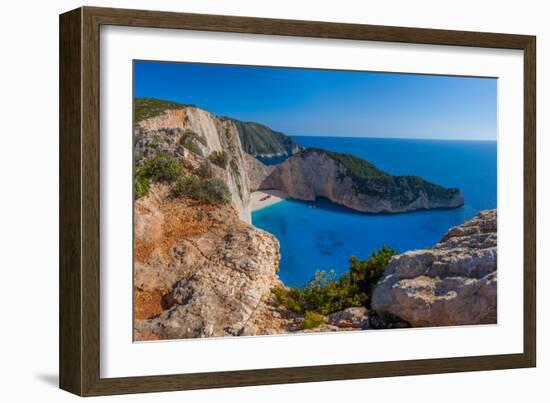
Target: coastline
point(264, 198)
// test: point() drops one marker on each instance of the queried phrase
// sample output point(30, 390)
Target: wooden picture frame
point(79, 347)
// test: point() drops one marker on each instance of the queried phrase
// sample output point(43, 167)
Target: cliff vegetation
point(260, 140)
point(198, 186)
point(355, 183)
point(369, 179)
point(326, 293)
point(145, 108)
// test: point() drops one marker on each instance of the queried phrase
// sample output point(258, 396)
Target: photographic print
point(275, 200)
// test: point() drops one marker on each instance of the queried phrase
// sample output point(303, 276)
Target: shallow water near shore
point(322, 235)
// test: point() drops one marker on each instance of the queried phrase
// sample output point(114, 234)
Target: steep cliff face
point(257, 172)
point(194, 134)
point(200, 271)
point(261, 141)
point(355, 183)
point(455, 283)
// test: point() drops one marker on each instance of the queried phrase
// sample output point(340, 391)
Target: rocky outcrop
point(204, 134)
point(356, 184)
point(210, 272)
point(257, 172)
point(261, 141)
point(354, 317)
point(455, 283)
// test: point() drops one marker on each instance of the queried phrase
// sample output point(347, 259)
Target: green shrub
point(203, 191)
point(204, 170)
point(323, 294)
point(161, 168)
point(192, 146)
point(190, 140)
point(287, 298)
point(326, 293)
point(187, 186)
point(141, 185)
point(216, 191)
point(312, 320)
point(219, 158)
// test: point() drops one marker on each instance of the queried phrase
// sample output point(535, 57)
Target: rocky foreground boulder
point(354, 317)
point(199, 272)
point(455, 283)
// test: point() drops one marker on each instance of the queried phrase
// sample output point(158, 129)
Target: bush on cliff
point(204, 170)
point(312, 320)
point(219, 158)
point(191, 140)
point(161, 168)
point(326, 293)
point(141, 185)
point(202, 191)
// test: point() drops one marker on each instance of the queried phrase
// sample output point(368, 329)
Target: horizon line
point(392, 138)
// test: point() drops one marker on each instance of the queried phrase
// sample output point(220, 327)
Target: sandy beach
point(264, 198)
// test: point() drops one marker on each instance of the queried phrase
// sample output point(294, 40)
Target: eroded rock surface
point(355, 317)
point(213, 276)
point(455, 283)
point(257, 172)
point(211, 134)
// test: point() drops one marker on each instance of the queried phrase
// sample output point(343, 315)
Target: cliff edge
point(193, 135)
point(455, 283)
point(356, 183)
point(199, 271)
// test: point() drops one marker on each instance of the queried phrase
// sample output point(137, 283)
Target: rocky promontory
point(261, 141)
point(198, 272)
point(454, 283)
point(356, 183)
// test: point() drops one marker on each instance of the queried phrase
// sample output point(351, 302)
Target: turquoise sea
point(323, 235)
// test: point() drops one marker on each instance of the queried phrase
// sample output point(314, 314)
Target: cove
point(321, 235)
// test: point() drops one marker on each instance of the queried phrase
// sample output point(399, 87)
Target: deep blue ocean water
point(272, 160)
point(323, 235)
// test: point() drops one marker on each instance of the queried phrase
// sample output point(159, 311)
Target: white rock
point(455, 283)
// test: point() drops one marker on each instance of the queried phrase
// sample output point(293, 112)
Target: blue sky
point(305, 102)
